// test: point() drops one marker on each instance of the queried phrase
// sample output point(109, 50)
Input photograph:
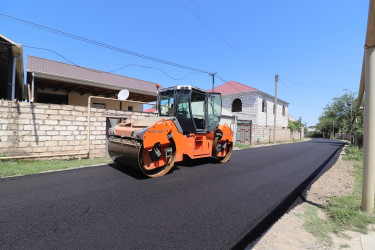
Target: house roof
point(48, 68)
point(232, 87)
point(149, 110)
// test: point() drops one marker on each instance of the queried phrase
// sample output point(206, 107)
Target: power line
point(223, 31)
point(218, 76)
point(215, 33)
point(149, 67)
point(319, 86)
point(309, 87)
point(52, 30)
point(310, 107)
point(234, 42)
point(98, 71)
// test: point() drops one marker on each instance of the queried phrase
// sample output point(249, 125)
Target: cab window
point(198, 108)
point(167, 106)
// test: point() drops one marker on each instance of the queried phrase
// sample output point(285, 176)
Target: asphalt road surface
point(200, 205)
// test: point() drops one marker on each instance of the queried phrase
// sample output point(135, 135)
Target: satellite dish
point(123, 95)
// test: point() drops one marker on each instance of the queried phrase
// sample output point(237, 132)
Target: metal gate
point(243, 132)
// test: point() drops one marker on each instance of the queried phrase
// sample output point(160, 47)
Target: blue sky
point(316, 47)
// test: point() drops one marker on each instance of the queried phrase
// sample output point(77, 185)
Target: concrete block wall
point(266, 118)
point(249, 105)
point(34, 129)
point(266, 134)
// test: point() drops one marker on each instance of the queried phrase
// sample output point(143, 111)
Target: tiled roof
point(49, 67)
point(149, 110)
point(232, 87)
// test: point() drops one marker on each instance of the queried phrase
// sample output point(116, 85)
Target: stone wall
point(249, 105)
point(266, 134)
point(35, 129)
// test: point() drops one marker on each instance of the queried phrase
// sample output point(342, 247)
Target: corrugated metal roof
point(232, 87)
point(64, 70)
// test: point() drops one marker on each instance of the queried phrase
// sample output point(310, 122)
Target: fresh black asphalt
point(200, 205)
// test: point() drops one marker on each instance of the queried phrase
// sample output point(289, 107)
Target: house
point(11, 70)
point(254, 111)
point(61, 83)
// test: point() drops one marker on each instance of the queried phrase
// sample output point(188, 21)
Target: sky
point(316, 47)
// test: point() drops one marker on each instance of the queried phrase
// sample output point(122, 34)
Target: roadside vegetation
point(23, 167)
point(242, 145)
point(344, 213)
point(338, 118)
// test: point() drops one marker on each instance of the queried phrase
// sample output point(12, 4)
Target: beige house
point(61, 83)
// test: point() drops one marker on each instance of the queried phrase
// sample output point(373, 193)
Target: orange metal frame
point(194, 145)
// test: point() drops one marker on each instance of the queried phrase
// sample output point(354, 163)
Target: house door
point(244, 132)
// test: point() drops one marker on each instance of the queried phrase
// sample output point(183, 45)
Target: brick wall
point(33, 129)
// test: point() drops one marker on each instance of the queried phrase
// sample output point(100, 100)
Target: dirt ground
point(288, 232)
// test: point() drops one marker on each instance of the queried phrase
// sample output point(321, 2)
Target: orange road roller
point(188, 123)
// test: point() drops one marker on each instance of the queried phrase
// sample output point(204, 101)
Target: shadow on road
point(129, 170)
point(136, 173)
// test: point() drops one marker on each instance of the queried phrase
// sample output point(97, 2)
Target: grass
point(353, 154)
point(346, 245)
point(20, 167)
point(344, 213)
point(242, 145)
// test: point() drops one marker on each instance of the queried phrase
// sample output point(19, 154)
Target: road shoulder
point(290, 232)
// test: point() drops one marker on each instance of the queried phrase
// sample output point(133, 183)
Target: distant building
point(62, 83)
point(254, 111)
point(11, 70)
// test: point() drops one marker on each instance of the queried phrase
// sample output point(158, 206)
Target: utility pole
point(275, 109)
point(213, 81)
point(368, 188)
point(300, 128)
point(351, 115)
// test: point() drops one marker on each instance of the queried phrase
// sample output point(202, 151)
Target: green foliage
point(294, 125)
point(19, 167)
point(339, 117)
point(238, 145)
point(346, 245)
point(318, 226)
point(353, 153)
point(344, 212)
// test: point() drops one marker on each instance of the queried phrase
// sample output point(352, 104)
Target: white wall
point(266, 118)
point(249, 105)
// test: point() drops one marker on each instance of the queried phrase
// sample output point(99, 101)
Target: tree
point(337, 117)
point(294, 125)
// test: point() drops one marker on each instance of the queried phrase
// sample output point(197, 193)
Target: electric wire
point(45, 28)
point(244, 54)
point(111, 71)
point(149, 67)
point(215, 33)
point(319, 86)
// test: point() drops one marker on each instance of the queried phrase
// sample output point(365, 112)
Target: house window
point(99, 105)
point(130, 108)
point(264, 105)
point(237, 105)
point(283, 110)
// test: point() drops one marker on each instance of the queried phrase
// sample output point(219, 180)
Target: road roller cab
point(187, 124)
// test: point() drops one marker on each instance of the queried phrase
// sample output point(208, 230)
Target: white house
point(254, 111)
